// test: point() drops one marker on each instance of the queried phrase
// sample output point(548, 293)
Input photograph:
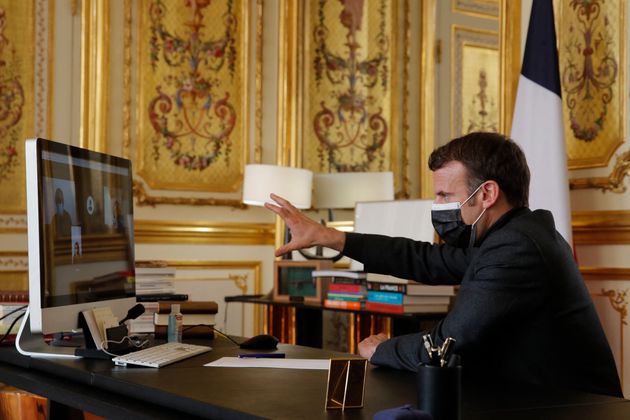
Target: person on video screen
point(61, 220)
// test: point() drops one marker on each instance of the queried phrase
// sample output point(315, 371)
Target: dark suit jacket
point(522, 313)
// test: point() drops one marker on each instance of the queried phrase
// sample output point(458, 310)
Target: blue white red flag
point(537, 125)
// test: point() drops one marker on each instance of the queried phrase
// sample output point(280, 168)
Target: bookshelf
point(301, 323)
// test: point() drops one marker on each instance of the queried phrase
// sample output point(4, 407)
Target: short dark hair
point(488, 156)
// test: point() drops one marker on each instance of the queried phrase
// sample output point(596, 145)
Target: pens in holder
point(445, 350)
point(262, 356)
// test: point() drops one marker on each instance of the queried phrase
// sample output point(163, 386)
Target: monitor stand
point(32, 344)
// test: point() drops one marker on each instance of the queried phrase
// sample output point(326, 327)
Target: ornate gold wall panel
point(475, 81)
point(342, 59)
point(17, 107)
point(192, 94)
point(591, 39)
point(163, 231)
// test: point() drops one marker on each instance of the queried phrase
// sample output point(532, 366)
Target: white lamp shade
point(343, 190)
point(294, 184)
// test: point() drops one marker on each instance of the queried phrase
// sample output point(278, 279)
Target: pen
point(262, 355)
point(445, 350)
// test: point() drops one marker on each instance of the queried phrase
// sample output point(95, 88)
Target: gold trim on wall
point(613, 182)
point(510, 58)
point(404, 136)
point(428, 58)
point(94, 74)
point(258, 82)
point(144, 199)
point(220, 233)
point(605, 273)
point(126, 109)
point(601, 227)
point(488, 9)
point(287, 144)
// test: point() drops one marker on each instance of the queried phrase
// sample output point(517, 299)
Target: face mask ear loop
point(471, 195)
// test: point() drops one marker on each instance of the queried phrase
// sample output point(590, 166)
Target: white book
point(350, 274)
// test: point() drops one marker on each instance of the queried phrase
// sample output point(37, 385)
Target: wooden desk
point(302, 323)
point(189, 390)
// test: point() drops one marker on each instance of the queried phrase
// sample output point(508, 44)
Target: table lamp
point(342, 190)
point(294, 184)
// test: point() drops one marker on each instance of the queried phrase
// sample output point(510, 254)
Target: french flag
point(537, 125)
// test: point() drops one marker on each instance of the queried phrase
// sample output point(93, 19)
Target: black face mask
point(448, 223)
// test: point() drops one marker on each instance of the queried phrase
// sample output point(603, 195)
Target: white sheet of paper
point(319, 364)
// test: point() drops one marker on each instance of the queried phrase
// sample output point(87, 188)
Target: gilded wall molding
point(428, 60)
point(601, 227)
point(510, 52)
point(617, 300)
point(404, 170)
point(220, 233)
point(12, 223)
point(144, 199)
point(258, 82)
point(613, 182)
point(489, 9)
point(94, 76)
point(605, 273)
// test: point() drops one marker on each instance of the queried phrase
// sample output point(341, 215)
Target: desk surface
point(188, 390)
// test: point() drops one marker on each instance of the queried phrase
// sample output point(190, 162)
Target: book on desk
point(198, 318)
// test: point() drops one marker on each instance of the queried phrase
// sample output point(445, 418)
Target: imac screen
point(85, 208)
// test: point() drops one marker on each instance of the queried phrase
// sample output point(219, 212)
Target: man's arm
point(305, 232)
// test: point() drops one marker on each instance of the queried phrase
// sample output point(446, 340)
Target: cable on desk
point(12, 323)
point(226, 336)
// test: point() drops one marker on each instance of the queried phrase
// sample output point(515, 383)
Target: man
point(523, 314)
point(61, 220)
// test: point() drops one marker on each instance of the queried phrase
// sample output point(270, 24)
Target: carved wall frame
point(308, 57)
point(145, 194)
point(475, 106)
point(591, 49)
point(27, 43)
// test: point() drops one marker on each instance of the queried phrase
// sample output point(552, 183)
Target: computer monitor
point(80, 238)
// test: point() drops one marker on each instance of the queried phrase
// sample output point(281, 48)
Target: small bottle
point(175, 319)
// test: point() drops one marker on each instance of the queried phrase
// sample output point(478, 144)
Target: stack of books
point(155, 281)
point(392, 295)
point(198, 318)
point(346, 288)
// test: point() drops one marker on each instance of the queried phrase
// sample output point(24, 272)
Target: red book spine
point(342, 304)
point(384, 307)
point(345, 288)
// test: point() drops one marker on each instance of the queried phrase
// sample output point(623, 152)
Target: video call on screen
point(88, 225)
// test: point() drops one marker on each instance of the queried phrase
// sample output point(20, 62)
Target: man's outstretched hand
point(305, 232)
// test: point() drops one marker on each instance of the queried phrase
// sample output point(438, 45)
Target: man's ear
point(490, 193)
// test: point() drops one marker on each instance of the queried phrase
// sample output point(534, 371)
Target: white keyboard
point(161, 355)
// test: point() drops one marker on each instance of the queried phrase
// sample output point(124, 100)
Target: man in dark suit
point(523, 314)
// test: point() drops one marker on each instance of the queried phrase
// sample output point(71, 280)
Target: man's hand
point(368, 346)
point(305, 232)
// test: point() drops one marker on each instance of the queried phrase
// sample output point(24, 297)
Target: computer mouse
point(260, 342)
